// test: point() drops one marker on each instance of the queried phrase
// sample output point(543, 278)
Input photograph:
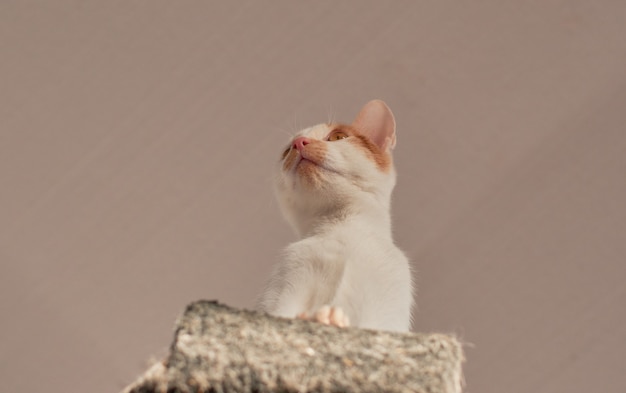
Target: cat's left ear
point(376, 121)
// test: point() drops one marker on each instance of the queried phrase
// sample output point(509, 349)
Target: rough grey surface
point(220, 349)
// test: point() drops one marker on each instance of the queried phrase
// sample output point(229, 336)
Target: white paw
point(329, 316)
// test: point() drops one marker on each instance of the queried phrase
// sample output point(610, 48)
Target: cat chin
point(309, 170)
point(308, 175)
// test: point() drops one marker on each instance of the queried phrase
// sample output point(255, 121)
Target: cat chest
point(329, 253)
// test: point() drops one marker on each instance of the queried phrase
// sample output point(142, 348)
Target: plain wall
point(137, 141)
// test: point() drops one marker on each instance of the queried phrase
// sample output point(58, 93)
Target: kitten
point(334, 187)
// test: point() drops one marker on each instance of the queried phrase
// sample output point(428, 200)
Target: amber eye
point(337, 135)
point(287, 150)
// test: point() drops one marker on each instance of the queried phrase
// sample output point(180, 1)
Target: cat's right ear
point(376, 121)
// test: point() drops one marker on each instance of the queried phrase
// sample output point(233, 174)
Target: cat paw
point(329, 316)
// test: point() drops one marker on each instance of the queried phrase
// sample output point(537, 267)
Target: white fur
point(346, 256)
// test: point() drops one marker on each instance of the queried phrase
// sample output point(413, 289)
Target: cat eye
point(337, 135)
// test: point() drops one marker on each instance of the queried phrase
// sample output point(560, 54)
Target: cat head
point(331, 169)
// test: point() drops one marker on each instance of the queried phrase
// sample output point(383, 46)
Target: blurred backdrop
point(137, 140)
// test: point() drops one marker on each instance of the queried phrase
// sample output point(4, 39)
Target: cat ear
point(376, 121)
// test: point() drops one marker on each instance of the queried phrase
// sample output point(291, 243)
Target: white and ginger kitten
point(334, 187)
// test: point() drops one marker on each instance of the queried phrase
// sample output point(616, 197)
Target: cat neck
point(364, 215)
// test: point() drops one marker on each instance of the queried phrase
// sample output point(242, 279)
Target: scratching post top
point(220, 349)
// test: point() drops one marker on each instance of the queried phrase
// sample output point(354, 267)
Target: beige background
point(137, 141)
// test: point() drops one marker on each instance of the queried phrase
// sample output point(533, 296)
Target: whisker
point(296, 125)
point(290, 134)
point(330, 114)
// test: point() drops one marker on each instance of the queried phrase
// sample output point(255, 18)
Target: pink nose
point(300, 142)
